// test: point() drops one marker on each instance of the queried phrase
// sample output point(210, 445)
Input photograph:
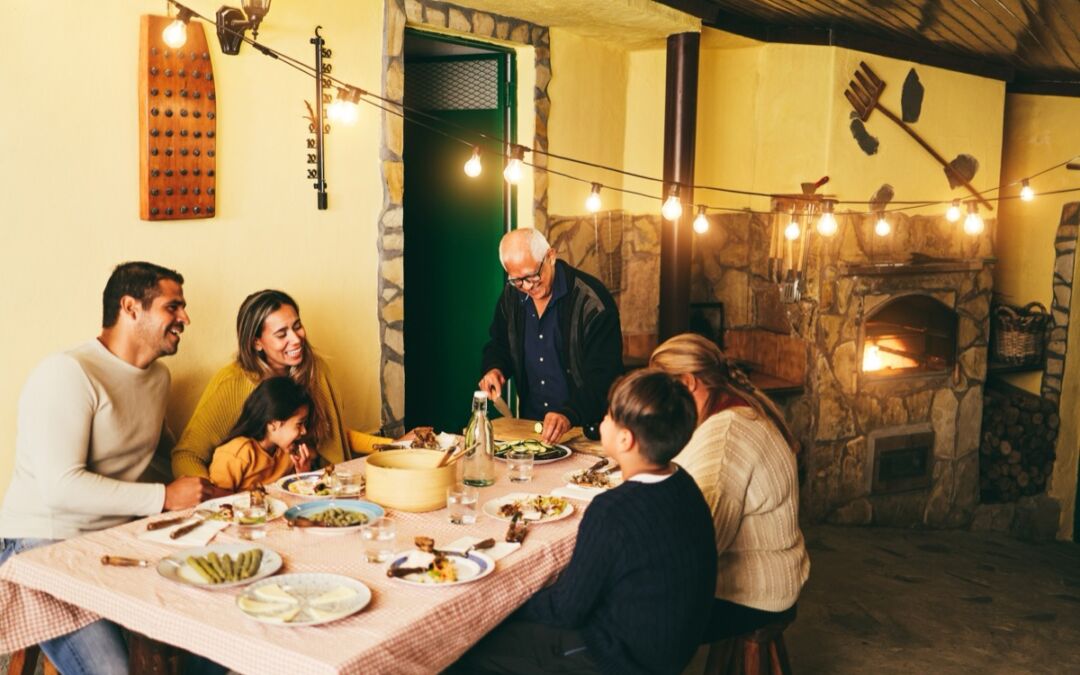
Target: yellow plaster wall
point(588, 118)
point(69, 164)
point(771, 116)
point(1041, 131)
point(644, 140)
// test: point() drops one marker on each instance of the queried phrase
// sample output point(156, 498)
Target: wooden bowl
point(407, 480)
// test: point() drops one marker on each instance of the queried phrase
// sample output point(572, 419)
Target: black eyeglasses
point(531, 279)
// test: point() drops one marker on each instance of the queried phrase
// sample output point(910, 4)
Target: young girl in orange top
point(264, 443)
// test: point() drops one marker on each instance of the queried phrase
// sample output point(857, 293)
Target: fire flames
point(882, 355)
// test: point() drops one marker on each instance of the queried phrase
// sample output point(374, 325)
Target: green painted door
point(453, 225)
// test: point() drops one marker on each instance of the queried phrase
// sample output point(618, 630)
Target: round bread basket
point(407, 480)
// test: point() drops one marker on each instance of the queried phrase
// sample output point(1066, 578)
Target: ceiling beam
point(864, 42)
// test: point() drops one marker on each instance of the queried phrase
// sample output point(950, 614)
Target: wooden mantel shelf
point(894, 268)
point(770, 384)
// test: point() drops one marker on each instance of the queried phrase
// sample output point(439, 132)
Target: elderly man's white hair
point(538, 244)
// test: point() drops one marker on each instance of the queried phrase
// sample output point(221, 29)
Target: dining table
point(52, 590)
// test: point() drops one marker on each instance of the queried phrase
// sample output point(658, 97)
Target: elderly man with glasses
point(556, 332)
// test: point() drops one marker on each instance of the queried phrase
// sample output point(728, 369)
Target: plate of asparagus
point(220, 565)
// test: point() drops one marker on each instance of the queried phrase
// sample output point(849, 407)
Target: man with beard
point(556, 332)
point(89, 422)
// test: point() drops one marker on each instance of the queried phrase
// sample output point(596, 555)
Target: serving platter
point(493, 508)
point(542, 453)
point(311, 509)
point(303, 599)
point(468, 568)
point(175, 567)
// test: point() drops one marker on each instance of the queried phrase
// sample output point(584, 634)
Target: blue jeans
point(96, 648)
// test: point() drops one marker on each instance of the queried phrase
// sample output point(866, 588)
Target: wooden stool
point(24, 662)
point(761, 652)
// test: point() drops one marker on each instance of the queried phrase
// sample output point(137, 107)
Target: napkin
point(497, 552)
point(575, 492)
point(200, 536)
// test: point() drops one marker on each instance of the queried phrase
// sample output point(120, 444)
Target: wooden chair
point(24, 662)
point(147, 656)
point(363, 443)
point(761, 652)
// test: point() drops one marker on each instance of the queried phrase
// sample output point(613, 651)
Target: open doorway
point(453, 223)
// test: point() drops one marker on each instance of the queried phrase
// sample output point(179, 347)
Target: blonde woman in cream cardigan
point(741, 457)
point(272, 342)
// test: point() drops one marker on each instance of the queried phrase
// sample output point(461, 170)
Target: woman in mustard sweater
point(272, 342)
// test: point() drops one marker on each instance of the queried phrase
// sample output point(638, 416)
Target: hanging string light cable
point(399, 109)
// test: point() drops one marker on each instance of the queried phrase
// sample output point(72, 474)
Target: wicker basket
point(1020, 334)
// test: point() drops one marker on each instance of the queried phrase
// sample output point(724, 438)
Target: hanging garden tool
point(864, 96)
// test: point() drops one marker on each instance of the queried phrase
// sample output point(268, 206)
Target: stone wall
point(623, 251)
point(846, 277)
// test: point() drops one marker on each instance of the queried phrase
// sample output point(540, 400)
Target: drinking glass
point(519, 466)
point(252, 521)
point(345, 484)
point(461, 501)
point(378, 539)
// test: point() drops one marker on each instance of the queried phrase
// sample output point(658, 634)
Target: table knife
point(121, 561)
point(501, 406)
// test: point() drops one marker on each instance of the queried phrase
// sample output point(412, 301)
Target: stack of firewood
point(1017, 450)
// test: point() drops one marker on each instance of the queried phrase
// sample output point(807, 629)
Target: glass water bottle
point(479, 463)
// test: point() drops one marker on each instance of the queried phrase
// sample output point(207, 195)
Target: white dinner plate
point(476, 566)
point(614, 481)
point(303, 599)
point(492, 508)
point(561, 452)
point(302, 486)
point(276, 510)
point(175, 567)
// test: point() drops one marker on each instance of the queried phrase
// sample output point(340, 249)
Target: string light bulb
point(345, 109)
point(514, 167)
point(175, 34)
point(827, 226)
point(672, 208)
point(592, 202)
point(953, 212)
point(792, 231)
point(701, 222)
point(1026, 193)
point(973, 224)
point(882, 228)
point(473, 166)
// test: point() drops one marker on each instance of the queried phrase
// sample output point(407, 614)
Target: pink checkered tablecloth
point(55, 589)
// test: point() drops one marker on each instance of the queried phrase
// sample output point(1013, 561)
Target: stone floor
point(929, 601)
point(887, 601)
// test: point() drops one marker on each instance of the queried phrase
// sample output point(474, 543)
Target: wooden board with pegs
point(177, 125)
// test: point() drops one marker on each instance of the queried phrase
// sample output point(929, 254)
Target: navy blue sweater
point(640, 584)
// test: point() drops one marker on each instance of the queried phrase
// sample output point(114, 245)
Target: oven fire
point(886, 355)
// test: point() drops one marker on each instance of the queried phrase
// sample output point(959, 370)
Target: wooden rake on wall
point(864, 94)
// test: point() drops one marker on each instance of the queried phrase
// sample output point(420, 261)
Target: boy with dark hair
point(636, 595)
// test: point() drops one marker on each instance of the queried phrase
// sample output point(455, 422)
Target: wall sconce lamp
point(232, 23)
